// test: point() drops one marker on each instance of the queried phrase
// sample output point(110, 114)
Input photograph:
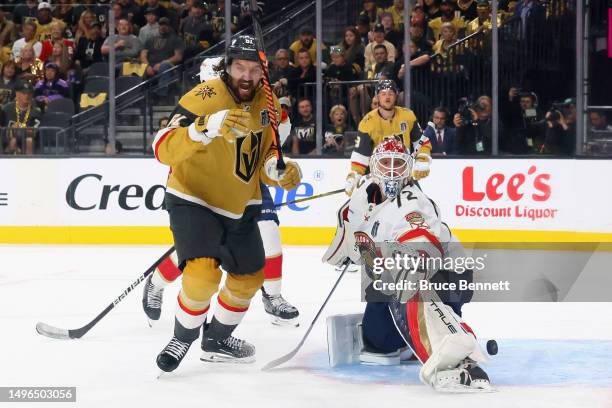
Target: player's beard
point(244, 90)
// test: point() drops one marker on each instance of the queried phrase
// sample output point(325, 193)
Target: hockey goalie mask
point(391, 165)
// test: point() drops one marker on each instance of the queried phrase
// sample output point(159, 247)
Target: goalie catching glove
point(420, 168)
point(228, 123)
point(289, 178)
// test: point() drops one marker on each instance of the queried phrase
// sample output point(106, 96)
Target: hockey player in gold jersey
point(387, 120)
point(219, 145)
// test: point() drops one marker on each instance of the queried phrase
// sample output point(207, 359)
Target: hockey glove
point(352, 180)
point(420, 169)
point(288, 179)
point(229, 124)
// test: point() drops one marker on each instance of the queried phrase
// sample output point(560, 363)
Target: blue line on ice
point(519, 362)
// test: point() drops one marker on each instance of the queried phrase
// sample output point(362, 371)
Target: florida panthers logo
point(416, 220)
point(247, 155)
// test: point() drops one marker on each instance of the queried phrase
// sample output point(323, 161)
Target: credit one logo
point(128, 197)
point(303, 190)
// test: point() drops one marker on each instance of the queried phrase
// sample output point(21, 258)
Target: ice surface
point(551, 355)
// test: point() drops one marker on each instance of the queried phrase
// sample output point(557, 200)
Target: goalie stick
point(292, 353)
point(66, 334)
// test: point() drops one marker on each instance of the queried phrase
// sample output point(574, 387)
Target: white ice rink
point(551, 354)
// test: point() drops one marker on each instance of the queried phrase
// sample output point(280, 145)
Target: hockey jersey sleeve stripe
point(420, 232)
point(360, 160)
point(416, 335)
point(159, 139)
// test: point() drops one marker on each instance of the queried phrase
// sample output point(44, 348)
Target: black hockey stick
point(65, 334)
point(263, 60)
point(299, 200)
point(281, 360)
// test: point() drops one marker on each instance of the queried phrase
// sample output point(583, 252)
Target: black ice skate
point(281, 312)
point(228, 350)
point(468, 376)
point(152, 298)
point(172, 355)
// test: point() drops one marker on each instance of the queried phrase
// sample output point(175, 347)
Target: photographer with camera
point(525, 125)
point(560, 132)
point(474, 126)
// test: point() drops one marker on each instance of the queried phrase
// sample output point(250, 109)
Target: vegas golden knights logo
point(247, 155)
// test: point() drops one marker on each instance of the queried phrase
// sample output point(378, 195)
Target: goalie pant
point(168, 271)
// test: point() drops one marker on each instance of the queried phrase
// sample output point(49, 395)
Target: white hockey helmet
point(391, 166)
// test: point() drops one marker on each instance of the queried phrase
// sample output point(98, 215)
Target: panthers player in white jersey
point(388, 207)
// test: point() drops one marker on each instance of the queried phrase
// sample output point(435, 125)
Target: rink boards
point(119, 201)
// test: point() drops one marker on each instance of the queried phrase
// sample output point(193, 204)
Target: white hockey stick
point(282, 360)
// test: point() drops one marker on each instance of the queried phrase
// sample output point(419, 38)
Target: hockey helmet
point(242, 47)
point(391, 165)
point(386, 84)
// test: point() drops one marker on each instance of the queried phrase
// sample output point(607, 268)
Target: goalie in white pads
point(390, 208)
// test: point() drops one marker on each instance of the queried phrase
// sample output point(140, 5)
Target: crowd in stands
point(49, 51)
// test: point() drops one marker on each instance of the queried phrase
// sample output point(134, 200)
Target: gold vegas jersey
point(373, 129)
point(221, 176)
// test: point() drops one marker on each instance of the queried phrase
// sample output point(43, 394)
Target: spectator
point(196, 30)
point(417, 34)
point(371, 11)
point(560, 136)
point(374, 102)
point(29, 68)
point(418, 18)
point(378, 38)
point(382, 66)
point(131, 10)
point(353, 48)
point(397, 11)
point(442, 138)
point(21, 116)
point(334, 142)
point(468, 9)
point(44, 19)
point(341, 70)
point(163, 122)
point(8, 32)
point(24, 13)
point(85, 25)
point(303, 73)
point(62, 57)
point(520, 114)
point(391, 34)
point(57, 34)
point(29, 37)
point(65, 13)
point(483, 21)
point(151, 29)
point(306, 41)
point(432, 9)
point(448, 36)
point(161, 53)
point(8, 81)
point(303, 133)
point(280, 69)
point(475, 135)
point(532, 15)
point(363, 29)
point(127, 46)
point(218, 20)
point(89, 47)
point(599, 121)
point(447, 8)
point(160, 10)
point(50, 88)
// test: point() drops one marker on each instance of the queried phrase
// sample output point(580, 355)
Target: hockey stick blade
point(65, 334)
point(282, 360)
point(52, 331)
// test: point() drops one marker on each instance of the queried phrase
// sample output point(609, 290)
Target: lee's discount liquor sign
point(518, 194)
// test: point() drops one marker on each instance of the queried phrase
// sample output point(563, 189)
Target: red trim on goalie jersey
point(420, 232)
point(273, 268)
point(231, 308)
point(159, 142)
point(189, 311)
point(412, 313)
point(168, 270)
point(467, 328)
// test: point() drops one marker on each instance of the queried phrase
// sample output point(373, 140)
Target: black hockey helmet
point(386, 84)
point(242, 47)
